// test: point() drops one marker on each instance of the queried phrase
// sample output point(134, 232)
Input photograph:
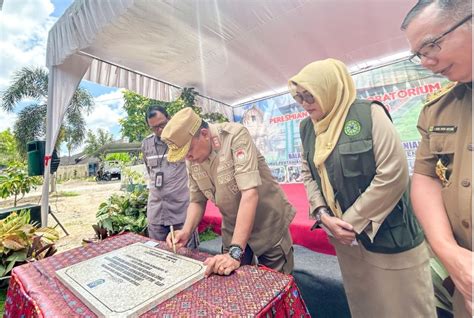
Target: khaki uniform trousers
point(387, 285)
point(279, 257)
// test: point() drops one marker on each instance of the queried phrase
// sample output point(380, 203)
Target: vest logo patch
point(352, 127)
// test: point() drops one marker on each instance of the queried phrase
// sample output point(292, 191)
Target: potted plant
point(22, 242)
point(122, 213)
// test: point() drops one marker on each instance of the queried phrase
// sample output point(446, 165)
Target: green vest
point(351, 168)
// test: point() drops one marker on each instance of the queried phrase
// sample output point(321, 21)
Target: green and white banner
point(274, 123)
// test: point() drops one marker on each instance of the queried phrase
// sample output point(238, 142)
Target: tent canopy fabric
point(230, 51)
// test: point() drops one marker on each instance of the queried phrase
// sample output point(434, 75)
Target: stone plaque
point(131, 280)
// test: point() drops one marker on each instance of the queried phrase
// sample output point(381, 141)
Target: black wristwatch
point(319, 213)
point(236, 252)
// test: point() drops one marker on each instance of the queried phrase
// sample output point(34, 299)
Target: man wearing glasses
point(168, 197)
point(440, 36)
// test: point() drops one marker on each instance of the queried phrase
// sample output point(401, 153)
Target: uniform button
point(469, 147)
point(465, 223)
point(465, 183)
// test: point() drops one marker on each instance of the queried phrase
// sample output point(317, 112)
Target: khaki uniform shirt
point(166, 205)
point(445, 125)
point(235, 164)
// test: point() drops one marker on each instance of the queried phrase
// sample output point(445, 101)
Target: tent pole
point(47, 152)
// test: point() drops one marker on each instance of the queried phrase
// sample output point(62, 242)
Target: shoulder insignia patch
point(433, 97)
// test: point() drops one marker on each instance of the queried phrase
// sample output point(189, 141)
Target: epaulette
point(433, 97)
point(150, 135)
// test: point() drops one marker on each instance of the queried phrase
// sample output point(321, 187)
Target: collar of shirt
point(460, 89)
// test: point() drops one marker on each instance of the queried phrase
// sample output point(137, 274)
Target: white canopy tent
point(230, 51)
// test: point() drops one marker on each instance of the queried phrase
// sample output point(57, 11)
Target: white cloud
point(107, 111)
point(7, 120)
point(25, 25)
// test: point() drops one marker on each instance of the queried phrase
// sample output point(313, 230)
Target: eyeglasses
point(159, 127)
point(431, 49)
point(304, 97)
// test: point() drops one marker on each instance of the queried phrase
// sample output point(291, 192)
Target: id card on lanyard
point(159, 179)
point(159, 176)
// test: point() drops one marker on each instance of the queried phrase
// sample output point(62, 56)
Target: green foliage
point(22, 242)
point(30, 125)
point(135, 127)
point(65, 194)
point(3, 297)
point(207, 235)
point(15, 181)
point(132, 176)
point(215, 118)
point(124, 213)
point(32, 82)
point(122, 157)
point(8, 148)
point(96, 141)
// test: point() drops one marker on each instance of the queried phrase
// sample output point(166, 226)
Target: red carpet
point(300, 227)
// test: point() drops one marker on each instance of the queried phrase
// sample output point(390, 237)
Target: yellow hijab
point(333, 89)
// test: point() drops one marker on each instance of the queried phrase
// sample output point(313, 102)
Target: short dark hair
point(449, 9)
point(204, 124)
point(153, 109)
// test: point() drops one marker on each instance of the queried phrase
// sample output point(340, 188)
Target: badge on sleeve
point(240, 155)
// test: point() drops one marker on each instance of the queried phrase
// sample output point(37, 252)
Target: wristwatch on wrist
point(319, 213)
point(236, 252)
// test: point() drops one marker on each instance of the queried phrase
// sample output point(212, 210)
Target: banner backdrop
point(274, 123)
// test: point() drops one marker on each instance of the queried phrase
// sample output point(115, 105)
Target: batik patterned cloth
point(251, 291)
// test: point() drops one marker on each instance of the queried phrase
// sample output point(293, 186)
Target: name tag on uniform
point(443, 129)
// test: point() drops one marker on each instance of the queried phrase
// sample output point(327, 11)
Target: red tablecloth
point(316, 240)
point(251, 291)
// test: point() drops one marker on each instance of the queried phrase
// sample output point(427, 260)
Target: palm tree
point(94, 143)
point(32, 82)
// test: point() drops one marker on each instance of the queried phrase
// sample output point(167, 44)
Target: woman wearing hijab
point(352, 152)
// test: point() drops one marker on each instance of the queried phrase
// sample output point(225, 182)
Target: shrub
point(22, 242)
point(15, 181)
point(121, 213)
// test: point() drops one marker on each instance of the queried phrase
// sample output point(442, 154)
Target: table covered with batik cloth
point(251, 291)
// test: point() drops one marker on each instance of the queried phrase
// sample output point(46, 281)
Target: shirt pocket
point(357, 158)
point(442, 143)
point(206, 187)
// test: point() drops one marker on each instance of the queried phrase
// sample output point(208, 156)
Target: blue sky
point(25, 25)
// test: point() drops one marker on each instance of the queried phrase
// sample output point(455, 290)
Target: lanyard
point(157, 153)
